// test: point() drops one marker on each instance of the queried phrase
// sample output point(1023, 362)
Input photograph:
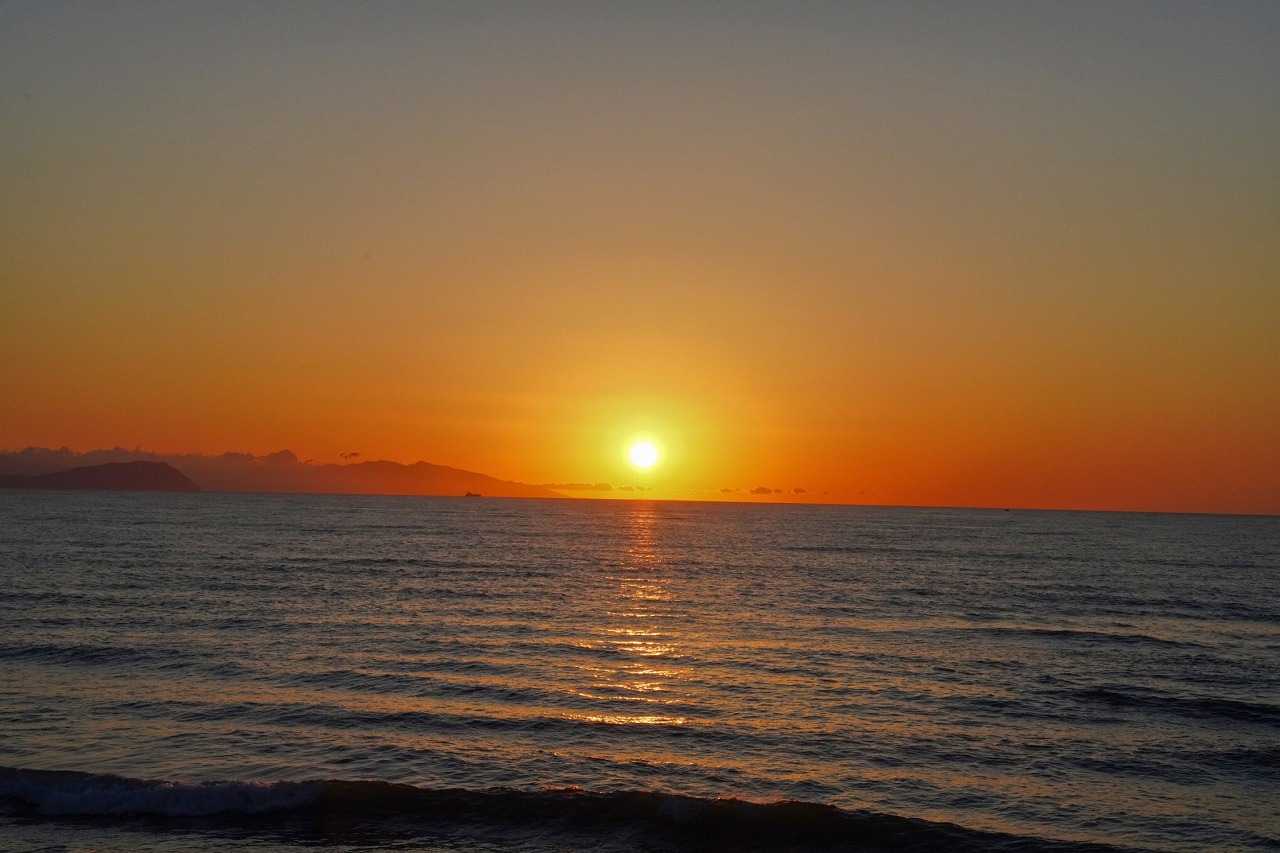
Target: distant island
point(282, 472)
point(116, 476)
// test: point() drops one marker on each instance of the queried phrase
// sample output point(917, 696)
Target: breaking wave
point(647, 818)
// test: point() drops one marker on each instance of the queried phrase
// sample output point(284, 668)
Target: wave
point(79, 653)
point(650, 819)
point(62, 793)
point(1083, 635)
point(1186, 706)
point(164, 659)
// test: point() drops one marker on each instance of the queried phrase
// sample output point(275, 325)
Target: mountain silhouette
point(276, 472)
point(136, 476)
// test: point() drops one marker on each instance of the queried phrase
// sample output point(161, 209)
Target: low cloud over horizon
point(579, 487)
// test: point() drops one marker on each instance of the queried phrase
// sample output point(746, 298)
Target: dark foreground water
point(231, 672)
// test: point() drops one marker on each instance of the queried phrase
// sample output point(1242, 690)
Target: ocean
point(283, 672)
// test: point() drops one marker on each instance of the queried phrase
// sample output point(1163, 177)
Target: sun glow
point(643, 455)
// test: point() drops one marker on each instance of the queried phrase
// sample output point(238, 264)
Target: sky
point(966, 254)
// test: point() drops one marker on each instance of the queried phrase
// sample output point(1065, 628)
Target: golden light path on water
point(638, 631)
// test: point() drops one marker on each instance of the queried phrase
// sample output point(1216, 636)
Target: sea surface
point(275, 672)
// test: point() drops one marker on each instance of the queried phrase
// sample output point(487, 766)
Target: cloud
point(579, 487)
point(351, 455)
point(763, 490)
point(799, 491)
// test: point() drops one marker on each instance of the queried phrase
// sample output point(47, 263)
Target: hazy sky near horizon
point(921, 253)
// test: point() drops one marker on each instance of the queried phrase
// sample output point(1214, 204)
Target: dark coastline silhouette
point(112, 476)
point(279, 472)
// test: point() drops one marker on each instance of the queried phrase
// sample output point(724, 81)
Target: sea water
point(224, 672)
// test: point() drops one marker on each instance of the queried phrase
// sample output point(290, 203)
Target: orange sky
point(997, 256)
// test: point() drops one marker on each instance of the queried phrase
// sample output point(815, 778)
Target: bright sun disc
point(643, 455)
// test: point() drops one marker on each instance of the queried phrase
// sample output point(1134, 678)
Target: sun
point(643, 455)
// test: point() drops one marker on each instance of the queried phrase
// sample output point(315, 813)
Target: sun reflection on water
point(639, 638)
